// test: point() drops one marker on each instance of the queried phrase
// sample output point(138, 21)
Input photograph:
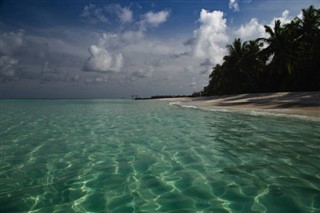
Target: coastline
point(288, 103)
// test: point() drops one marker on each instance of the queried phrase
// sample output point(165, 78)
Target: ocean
point(150, 156)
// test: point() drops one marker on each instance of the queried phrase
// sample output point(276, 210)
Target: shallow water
point(149, 156)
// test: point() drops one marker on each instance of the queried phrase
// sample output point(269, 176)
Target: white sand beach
point(295, 103)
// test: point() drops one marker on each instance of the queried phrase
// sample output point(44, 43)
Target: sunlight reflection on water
point(148, 156)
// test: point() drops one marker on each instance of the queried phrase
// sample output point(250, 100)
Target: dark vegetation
point(288, 60)
point(162, 96)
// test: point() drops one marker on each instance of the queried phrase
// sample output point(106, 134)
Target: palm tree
point(254, 66)
point(216, 81)
point(235, 76)
point(309, 24)
point(240, 71)
point(289, 62)
point(236, 51)
point(279, 50)
point(308, 28)
point(277, 42)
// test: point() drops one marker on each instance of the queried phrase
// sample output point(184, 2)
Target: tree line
point(287, 60)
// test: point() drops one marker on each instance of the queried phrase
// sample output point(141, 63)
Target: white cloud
point(284, 19)
point(128, 53)
point(7, 65)
point(94, 14)
point(193, 84)
point(45, 67)
point(189, 68)
point(132, 36)
point(109, 41)
point(87, 10)
point(28, 57)
point(102, 61)
point(156, 18)
point(251, 30)
point(254, 29)
point(210, 38)
point(11, 41)
point(143, 73)
point(125, 15)
point(233, 4)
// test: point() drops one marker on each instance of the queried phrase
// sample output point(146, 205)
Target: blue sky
point(114, 49)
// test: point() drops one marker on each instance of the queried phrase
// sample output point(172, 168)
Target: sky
point(115, 49)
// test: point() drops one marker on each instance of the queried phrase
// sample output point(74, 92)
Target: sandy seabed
point(293, 103)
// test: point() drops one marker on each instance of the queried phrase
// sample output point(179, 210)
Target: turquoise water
point(149, 156)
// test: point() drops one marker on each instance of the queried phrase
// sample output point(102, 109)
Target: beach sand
point(294, 103)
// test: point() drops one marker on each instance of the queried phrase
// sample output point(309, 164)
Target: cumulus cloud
point(109, 41)
point(7, 65)
point(102, 61)
point(112, 49)
point(210, 38)
point(251, 30)
point(233, 4)
point(284, 18)
point(128, 53)
point(155, 18)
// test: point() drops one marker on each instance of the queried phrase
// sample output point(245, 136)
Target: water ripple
point(131, 156)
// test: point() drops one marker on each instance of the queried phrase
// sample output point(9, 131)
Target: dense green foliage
point(288, 60)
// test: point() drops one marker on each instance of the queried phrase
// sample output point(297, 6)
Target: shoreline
point(287, 103)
